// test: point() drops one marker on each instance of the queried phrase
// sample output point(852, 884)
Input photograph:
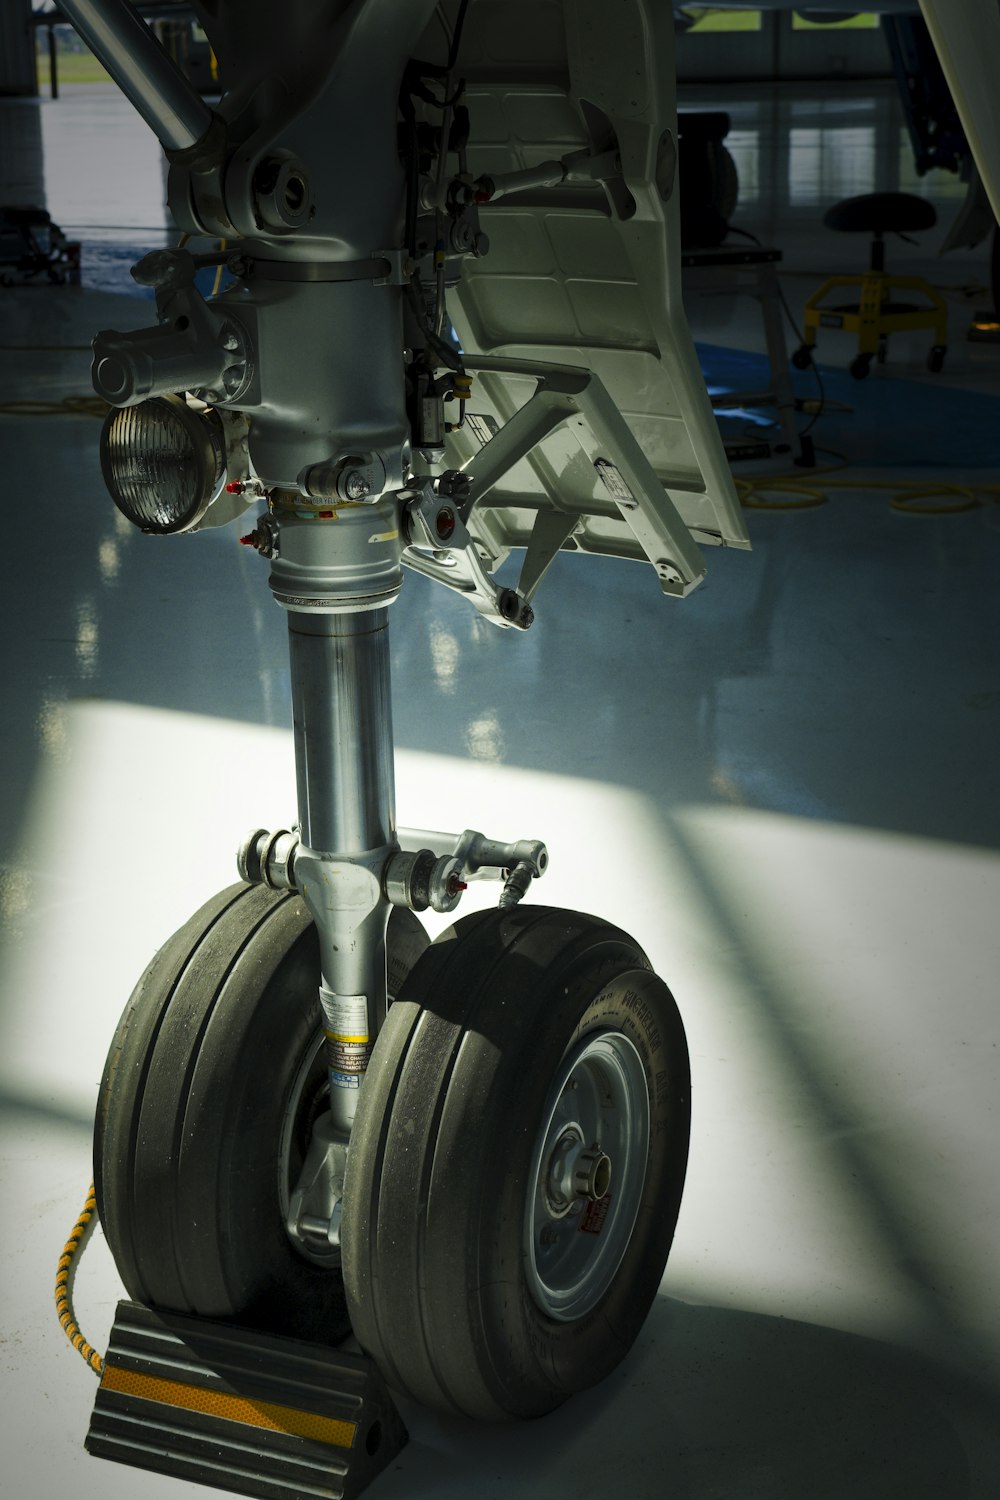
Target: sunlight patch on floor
point(836, 1105)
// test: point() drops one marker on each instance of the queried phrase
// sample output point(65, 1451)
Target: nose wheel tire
point(213, 1080)
point(517, 1163)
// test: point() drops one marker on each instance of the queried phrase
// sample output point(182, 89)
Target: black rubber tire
point(860, 366)
point(802, 357)
point(190, 1112)
point(441, 1157)
point(935, 358)
point(724, 179)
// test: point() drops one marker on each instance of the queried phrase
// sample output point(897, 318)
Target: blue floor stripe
point(893, 422)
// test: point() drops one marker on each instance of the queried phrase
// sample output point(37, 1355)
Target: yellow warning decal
point(269, 1414)
point(339, 1036)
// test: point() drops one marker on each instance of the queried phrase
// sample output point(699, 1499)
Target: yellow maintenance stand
point(877, 314)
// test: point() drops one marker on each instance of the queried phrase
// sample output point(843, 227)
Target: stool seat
point(704, 124)
point(881, 213)
point(877, 313)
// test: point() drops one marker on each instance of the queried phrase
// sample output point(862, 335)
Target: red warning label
point(594, 1215)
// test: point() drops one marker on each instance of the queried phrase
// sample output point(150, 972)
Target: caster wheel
point(935, 359)
point(517, 1163)
point(802, 358)
point(214, 1078)
point(860, 366)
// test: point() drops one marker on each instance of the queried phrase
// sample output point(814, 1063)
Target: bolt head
point(509, 604)
point(453, 482)
point(356, 485)
point(444, 523)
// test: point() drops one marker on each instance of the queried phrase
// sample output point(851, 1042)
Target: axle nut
point(281, 192)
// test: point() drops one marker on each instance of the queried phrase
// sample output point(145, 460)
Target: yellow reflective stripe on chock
point(269, 1414)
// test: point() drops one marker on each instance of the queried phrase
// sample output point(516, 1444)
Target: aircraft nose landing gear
point(469, 1153)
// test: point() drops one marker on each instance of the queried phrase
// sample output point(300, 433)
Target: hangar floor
point(785, 787)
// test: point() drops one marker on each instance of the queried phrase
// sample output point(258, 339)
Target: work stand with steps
point(750, 270)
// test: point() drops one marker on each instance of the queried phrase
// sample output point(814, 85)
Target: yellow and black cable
point(64, 1285)
point(914, 498)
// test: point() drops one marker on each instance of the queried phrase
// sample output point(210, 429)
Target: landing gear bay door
point(588, 427)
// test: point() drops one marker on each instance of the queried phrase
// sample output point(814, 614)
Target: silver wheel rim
point(587, 1175)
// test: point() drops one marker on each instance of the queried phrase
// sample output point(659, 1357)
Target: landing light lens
point(163, 463)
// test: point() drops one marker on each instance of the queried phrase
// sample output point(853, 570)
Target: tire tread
point(411, 1226)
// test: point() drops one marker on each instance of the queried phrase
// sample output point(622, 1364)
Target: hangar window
point(712, 18)
point(848, 23)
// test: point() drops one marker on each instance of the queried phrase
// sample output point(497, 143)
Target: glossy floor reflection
point(783, 786)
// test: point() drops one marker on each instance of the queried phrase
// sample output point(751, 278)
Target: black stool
point(876, 315)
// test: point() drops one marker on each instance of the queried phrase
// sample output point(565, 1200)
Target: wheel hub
point(575, 1173)
point(588, 1171)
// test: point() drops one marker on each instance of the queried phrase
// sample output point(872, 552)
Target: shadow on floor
point(726, 1405)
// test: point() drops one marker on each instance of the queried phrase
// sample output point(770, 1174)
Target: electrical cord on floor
point(751, 490)
point(917, 499)
point(751, 494)
point(64, 1284)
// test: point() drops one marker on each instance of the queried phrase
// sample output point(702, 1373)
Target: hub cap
point(587, 1175)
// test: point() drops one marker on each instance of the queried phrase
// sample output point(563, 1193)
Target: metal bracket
point(550, 530)
point(567, 394)
point(441, 547)
point(430, 870)
point(196, 347)
point(575, 168)
point(433, 869)
point(399, 269)
point(313, 1217)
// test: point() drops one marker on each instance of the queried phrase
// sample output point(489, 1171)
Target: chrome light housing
point(163, 463)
